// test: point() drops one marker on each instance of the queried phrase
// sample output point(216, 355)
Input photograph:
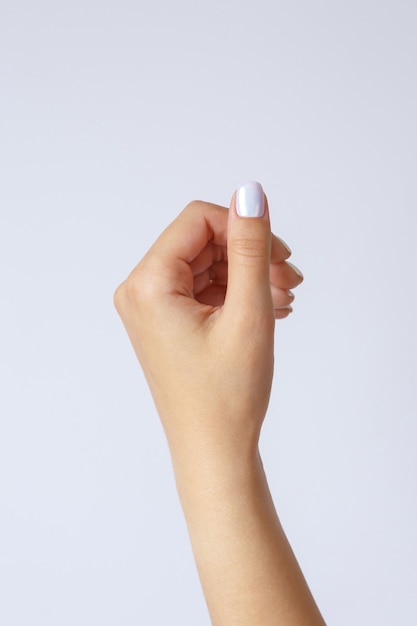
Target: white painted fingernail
point(296, 270)
point(250, 200)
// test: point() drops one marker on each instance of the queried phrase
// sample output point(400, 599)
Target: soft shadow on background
point(113, 115)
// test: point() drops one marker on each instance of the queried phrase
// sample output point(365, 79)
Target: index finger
point(168, 260)
point(197, 225)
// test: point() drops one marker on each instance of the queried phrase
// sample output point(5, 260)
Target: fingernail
point(296, 270)
point(286, 246)
point(250, 200)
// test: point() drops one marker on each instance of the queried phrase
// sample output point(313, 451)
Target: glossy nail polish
point(286, 246)
point(250, 200)
point(296, 270)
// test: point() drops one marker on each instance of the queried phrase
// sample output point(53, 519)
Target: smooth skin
point(200, 311)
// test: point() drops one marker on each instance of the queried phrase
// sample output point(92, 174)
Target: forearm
point(247, 569)
point(200, 310)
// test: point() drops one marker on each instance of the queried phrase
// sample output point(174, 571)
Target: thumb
point(249, 254)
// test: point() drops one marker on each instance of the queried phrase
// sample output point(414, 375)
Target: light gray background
point(113, 116)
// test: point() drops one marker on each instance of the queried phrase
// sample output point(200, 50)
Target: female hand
point(200, 310)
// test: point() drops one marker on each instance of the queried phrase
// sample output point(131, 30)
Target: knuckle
point(141, 288)
point(250, 248)
point(202, 207)
point(193, 206)
point(128, 295)
point(134, 289)
point(119, 297)
point(131, 290)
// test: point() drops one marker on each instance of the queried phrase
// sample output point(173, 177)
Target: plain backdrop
point(113, 116)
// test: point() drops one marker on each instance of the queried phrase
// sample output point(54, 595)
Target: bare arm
point(200, 310)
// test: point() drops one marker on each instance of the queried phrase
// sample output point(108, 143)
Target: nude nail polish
point(286, 246)
point(250, 200)
point(296, 270)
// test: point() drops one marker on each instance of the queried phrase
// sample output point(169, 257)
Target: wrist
point(211, 473)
